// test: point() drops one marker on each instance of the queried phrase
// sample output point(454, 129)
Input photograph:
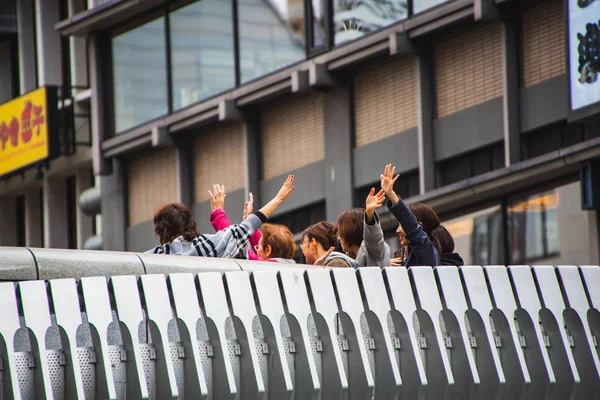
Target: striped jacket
point(227, 243)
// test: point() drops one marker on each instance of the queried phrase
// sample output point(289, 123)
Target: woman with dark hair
point(318, 244)
point(360, 233)
point(417, 222)
point(176, 229)
point(448, 256)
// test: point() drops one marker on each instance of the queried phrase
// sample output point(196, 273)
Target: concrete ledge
point(61, 263)
point(17, 264)
point(169, 264)
point(257, 266)
point(468, 129)
point(401, 150)
point(545, 103)
point(309, 183)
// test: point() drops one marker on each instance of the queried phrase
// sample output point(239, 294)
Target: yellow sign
point(24, 133)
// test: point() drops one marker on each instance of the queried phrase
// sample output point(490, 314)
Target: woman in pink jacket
point(273, 242)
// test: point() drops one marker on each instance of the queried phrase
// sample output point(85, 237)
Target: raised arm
point(280, 198)
point(372, 232)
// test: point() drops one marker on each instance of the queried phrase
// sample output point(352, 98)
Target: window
point(202, 51)
point(423, 5)
point(318, 29)
point(478, 237)
point(354, 18)
point(470, 164)
point(271, 36)
point(139, 75)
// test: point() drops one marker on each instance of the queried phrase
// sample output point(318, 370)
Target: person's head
point(316, 239)
point(174, 220)
point(428, 220)
point(445, 239)
point(402, 236)
point(276, 242)
point(350, 227)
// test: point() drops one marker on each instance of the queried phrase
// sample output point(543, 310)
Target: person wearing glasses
point(272, 242)
point(318, 244)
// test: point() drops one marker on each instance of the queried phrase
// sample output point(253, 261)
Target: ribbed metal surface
point(445, 332)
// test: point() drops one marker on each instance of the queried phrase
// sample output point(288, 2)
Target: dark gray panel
point(114, 206)
point(468, 129)
point(141, 237)
point(234, 206)
point(544, 103)
point(400, 150)
point(309, 183)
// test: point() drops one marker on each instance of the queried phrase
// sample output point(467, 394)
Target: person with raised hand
point(417, 222)
point(176, 228)
point(360, 233)
point(318, 245)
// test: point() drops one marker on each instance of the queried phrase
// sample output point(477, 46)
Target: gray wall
point(544, 103)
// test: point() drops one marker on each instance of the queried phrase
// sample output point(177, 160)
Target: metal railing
point(172, 327)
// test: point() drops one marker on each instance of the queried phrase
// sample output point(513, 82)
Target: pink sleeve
point(255, 238)
point(219, 221)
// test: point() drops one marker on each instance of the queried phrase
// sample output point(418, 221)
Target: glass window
point(139, 75)
point(271, 35)
point(318, 9)
point(478, 237)
point(202, 53)
point(354, 18)
point(422, 5)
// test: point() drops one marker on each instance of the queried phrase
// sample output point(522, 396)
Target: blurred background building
point(158, 100)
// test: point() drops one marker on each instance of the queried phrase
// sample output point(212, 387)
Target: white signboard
point(584, 52)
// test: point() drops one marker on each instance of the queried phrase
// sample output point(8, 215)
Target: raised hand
point(286, 189)
point(387, 182)
point(249, 206)
point(217, 199)
point(374, 201)
point(321, 260)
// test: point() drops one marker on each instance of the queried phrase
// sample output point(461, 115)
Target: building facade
point(469, 99)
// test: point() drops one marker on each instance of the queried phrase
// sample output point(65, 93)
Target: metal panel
point(324, 306)
point(412, 365)
point(268, 298)
point(225, 363)
point(129, 312)
point(36, 312)
point(360, 368)
point(158, 307)
point(9, 324)
point(97, 307)
point(308, 364)
point(239, 291)
point(65, 301)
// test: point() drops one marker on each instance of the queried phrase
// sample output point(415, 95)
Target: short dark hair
point(174, 220)
point(323, 232)
point(350, 226)
point(445, 239)
point(281, 240)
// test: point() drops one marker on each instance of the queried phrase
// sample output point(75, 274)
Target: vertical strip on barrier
point(306, 380)
point(325, 310)
point(9, 324)
point(388, 382)
point(65, 300)
point(268, 296)
point(99, 315)
point(360, 371)
point(412, 368)
point(36, 313)
point(158, 307)
point(129, 311)
point(187, 309)
point(243, 310)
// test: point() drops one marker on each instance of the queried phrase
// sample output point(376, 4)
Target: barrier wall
point(262, 333)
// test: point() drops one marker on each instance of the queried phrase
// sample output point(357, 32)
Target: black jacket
point(452, 259)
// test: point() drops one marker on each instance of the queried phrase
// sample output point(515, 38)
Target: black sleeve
point(262, 216)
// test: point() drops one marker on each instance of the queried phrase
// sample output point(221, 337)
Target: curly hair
point(281, 240)
point(174, 220)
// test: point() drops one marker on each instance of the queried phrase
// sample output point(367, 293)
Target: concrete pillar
point(511, 92)
point(27, 52)
point(56, 231)
point(337, 121)
point(185, 177)
point(48, 42)
point(114, 208)
point(98, 110)
point(8, 227)
point(85, 224)
point(425, 107)
point(253, 159)
point(6, 79)
point(34, 227)
point(79, 75)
